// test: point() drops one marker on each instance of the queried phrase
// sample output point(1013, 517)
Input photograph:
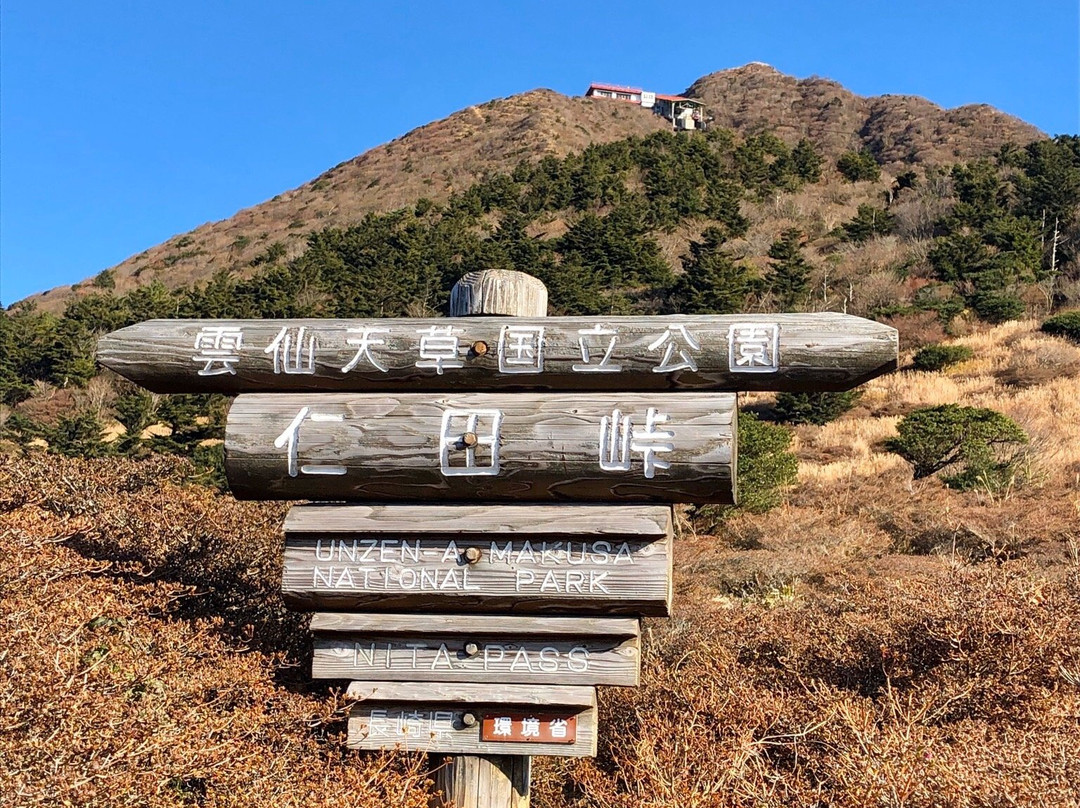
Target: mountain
point(898, 129)
point(440, 158)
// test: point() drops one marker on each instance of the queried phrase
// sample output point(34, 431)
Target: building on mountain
point(616, 91)
point(683, 113)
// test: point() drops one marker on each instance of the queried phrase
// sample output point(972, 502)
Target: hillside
point(900, 130)
point(447, 156)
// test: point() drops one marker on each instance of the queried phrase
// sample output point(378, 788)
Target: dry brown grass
point(147, 659)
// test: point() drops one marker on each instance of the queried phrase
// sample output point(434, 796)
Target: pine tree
point(807, 161)
point(868, 222)
point(712, 283)
point(790, 276)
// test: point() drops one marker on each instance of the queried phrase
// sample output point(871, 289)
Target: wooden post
point(490, 781)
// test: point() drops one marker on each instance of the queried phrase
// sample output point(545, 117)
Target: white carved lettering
point(577, 659)
point(363, 344)
point(521, 349)
point(439, 348)
point(458, 457)
point(219, 349)
point(676, 339)
point(591, 342)
point(754, 348)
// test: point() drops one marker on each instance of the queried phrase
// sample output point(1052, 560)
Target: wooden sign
point(483, 447)
point(473, 719)
point(784, 352)
point(511, 558)
point(477, 648)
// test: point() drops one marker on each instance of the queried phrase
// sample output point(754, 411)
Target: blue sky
point(125, 123)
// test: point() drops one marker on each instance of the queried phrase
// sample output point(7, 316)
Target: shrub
point(1066, 324)
point(106, 279)
point(77, 435)
point(815, 408)
point(869, 221)
point(765, 468)
point(859, 165)
point(209, 461)
point(982, 443)
point(939, 357)
point(997, 307)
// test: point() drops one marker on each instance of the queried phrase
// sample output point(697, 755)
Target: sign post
point(502, 486)
point(495, 781)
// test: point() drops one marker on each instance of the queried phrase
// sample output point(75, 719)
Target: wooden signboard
point(473, 719)
point(512, 558)
point(477, 648)
point(785, 352)
point(632, 447)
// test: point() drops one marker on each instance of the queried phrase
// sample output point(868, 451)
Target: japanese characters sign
point(459, 729)
point(473, 718)
point(483, 447)
point(529, 727)
point(824, 351)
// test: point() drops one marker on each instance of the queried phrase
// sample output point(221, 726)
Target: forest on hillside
point(988, 240)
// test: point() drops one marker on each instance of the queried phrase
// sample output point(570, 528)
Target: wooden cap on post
point(498, 291)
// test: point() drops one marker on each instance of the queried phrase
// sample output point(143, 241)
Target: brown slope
point(899, 129)
point(431, 161)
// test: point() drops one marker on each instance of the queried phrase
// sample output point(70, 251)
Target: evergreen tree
point(711, 283)
point(789, 279)
point(860, 165)
point(868, 222)
point(807, 161)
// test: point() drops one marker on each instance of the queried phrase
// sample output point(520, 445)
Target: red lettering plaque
point(516, 727)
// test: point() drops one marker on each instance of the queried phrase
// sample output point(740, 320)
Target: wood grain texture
point(467, 693)
point(524, 447)
point(783, 352)
point(440, 728)
point(491, 781)
point(477, 657)
point(488, 558)
point(506, 521)
point(462, 624)
point(498, 291)
point(482, 781)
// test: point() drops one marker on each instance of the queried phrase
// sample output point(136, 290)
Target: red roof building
point(631, 94)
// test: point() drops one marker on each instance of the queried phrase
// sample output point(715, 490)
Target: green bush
point(859, 165)
point(77, 435)
point(1066, 324)
point(815, 408)
point(983, 445)
point(869, 221)
point(997, 307)
point(106, 279)
point(209, 462)
point(939, 357)
point(766, 466)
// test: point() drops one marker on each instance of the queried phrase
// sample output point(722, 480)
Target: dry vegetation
point(877, 641)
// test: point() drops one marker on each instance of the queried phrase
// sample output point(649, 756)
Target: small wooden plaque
point(519, 727)
point(574, 559)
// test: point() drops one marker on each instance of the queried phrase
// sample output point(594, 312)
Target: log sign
point(468, 626)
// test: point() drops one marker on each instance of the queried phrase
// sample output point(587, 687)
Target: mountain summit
point(445, 156)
